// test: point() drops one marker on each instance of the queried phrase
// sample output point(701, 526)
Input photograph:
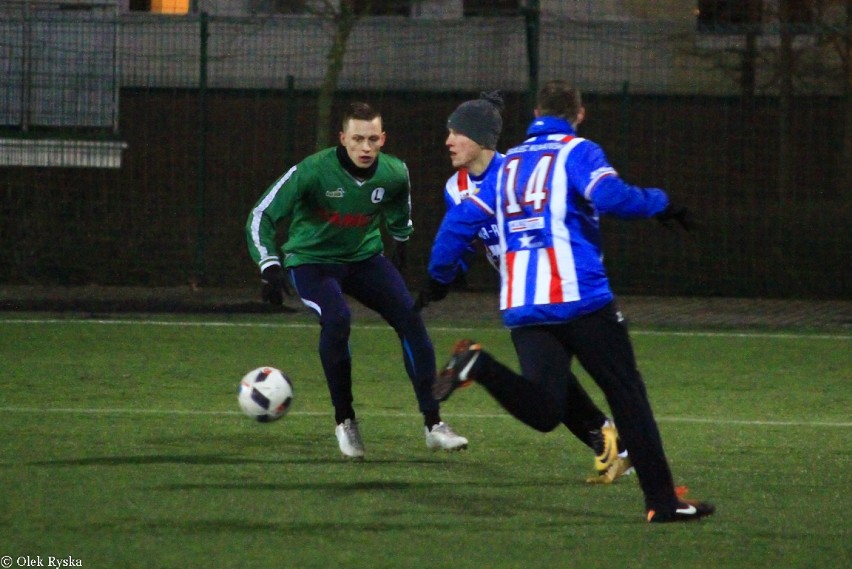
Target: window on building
point(382, 7)
point(170, 6)
point(277, 6)
point(728, 16)
point(492, 7)
point(799, 11)
point(160, 6)
point(739, 16)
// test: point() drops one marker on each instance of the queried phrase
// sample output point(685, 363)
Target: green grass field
point(123, 447)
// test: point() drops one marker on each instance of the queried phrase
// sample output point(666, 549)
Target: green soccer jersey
point(334, 218)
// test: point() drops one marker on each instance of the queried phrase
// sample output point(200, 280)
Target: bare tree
point(791, 73)
point(339, 17)
point(785, 69)
point(343, 19)
point(844, 46)
point(342, 16)
point(805, 32)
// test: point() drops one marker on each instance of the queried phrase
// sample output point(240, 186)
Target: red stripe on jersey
point(510, 269)
point(555, 277)
point(462, 179)
point(567, 138)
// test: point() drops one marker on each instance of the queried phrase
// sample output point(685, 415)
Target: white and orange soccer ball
point(265, 394)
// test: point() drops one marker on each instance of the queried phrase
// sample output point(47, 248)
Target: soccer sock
point(343, 413)
point(431, 418)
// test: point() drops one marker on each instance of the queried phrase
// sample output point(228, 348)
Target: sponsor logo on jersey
point(344, 219)
point(528, 224)
point(540, 147)
point(338, 193)
point(377, 195)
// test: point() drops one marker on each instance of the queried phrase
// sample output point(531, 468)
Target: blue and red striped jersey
point(547, 201)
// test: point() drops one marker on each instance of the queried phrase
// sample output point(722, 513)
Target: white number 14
point(535, 190)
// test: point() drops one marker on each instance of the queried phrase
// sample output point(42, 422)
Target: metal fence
point(753, 133)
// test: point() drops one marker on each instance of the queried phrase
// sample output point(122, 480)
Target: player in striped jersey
point(555, 296)
point(473, 130)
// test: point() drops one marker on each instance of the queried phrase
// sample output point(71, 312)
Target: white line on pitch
point(184, 323)
point(663, 419)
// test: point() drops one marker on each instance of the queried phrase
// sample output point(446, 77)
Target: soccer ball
point(265, 394)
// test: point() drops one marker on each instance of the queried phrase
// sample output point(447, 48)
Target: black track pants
point(540, 398)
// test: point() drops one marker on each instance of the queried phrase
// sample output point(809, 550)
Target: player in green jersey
point(337, 201)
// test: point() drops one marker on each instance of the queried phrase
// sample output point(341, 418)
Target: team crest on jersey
point(377, 195)
point(338, 193)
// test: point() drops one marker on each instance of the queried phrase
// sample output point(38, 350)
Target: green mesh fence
point(133, 146)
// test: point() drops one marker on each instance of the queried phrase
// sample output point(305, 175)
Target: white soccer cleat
point(442, 437)
point(349, 439)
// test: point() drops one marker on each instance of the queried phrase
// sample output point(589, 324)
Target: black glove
point(678, 213)
point(461, 280)
point(432, 292)
point(399, 257)
point(275, 282)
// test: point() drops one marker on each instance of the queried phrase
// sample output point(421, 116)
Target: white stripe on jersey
point(560, 233)
point(543, 276)
point(517, 265)
point(504, 268)
point(452, 188)
point(257, 215)
point(597, 175)
point(482, 205)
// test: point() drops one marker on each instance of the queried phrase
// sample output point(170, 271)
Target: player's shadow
point(489, 499)
point(195, 459)
point(342, 487)
point(211, 459)
point(346, 487)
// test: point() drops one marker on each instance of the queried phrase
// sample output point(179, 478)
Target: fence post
point(625, 129)
point(26, 69)
point(532, 17)
point(201, 179)
point(290, 123)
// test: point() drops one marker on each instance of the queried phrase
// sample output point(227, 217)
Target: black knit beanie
point(479, 119)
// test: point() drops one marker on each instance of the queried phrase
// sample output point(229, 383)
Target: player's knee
point(337, 324)
point(548, 418)
point(545, 424)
